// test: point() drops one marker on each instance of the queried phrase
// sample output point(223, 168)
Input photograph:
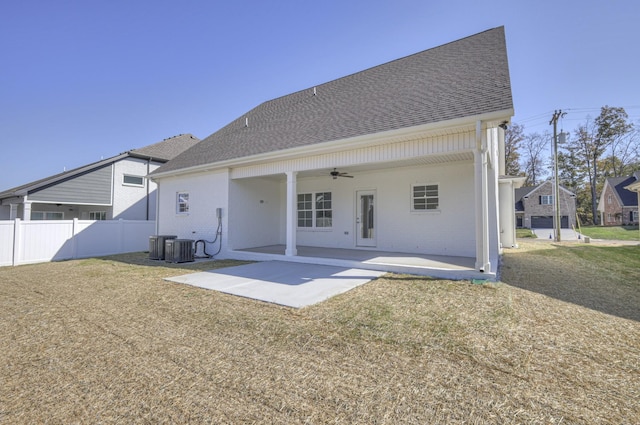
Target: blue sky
point(85, 79)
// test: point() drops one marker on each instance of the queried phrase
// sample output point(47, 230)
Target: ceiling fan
point(335, 174)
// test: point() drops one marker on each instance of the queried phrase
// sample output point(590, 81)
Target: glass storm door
point(365, 218)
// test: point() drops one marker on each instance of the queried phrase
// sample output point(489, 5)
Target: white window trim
point(188, 209)
point(314, 211)
point(546, 197)
point(425, 211)
point(133, 184)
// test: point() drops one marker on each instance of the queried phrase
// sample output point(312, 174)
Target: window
point(324, 215)
point(133, 180)
point(315, 210)
point(305, 210)
point(97, 215)
point(425, 197)
point(634, 216)
point(546, 200)
point(182, 203)
point(609, 199)
point(47, 215)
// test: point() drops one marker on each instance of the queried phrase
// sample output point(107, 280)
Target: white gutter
point(352, 142)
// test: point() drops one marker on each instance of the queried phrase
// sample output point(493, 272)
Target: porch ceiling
point(354, 169)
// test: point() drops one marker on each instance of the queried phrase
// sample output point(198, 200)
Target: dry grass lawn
point(109, 341)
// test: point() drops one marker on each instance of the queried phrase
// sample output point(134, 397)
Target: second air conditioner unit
point(178, 250)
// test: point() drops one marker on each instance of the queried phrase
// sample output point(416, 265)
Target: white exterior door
point(365, 218)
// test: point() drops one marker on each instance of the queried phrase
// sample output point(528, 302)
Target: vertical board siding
point(25, 242)
point(444, 145)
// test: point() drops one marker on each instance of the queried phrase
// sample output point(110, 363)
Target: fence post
point(74, 240)
point(17, 236)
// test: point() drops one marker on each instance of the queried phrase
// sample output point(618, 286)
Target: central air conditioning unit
point(178, 250)
point(156, 246)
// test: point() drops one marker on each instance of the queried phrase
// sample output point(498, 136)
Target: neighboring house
point(535, 207)
point(405, 157)
point(635, 187)
point(618, 205)
point(112, 188)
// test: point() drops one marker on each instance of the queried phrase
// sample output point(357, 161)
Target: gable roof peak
point(465, 78)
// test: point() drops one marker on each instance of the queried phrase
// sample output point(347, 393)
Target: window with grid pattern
point(324, 215)
point(425, 197)
point(305, 210)
point(315, 210)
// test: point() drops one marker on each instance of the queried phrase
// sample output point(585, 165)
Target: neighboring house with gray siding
point(113, 188)
point(535, 207)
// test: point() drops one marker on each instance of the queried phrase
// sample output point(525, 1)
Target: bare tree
point(534, 146)
point(513, 137)
point(624, 153)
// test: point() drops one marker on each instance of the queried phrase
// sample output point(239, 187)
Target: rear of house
point(405, 157)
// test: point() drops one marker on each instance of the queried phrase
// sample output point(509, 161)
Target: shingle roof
point(463, 78)
point(168, 148)
point(627, 197)
point(160, 152)
point(520, 193)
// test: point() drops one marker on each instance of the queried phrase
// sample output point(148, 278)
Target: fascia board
point(353, 142)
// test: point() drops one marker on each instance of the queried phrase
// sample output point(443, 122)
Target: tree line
point(607, 146)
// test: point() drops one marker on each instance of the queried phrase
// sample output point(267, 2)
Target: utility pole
point(554, 120)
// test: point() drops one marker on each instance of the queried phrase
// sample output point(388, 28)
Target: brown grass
point(109, 341)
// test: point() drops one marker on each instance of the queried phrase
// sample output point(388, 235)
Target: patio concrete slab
point(290, 284)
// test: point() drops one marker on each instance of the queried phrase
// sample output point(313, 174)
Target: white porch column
point(13, 211)
point(291, 249)
point(481, 201)
point(26, 211)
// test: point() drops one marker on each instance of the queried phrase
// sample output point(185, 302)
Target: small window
point(47, 215)
point(133, 180)
point(425, 197)
point(546, 200)
point(182, 203)
point(97, 215)
point(609, 199)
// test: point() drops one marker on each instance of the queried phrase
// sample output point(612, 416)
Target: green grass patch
point(621, 233)
point(525, 233)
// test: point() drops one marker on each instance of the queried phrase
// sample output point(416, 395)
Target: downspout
point(482, 201)
point(148, 184)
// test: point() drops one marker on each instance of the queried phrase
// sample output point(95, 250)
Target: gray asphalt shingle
point(463, 78)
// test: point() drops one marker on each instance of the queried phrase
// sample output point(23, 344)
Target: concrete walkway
point(285, 283)
point(565, 234)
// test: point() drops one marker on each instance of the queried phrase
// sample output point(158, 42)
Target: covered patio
point(440, 266)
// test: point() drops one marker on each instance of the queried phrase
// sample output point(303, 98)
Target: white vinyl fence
point(25, 242)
